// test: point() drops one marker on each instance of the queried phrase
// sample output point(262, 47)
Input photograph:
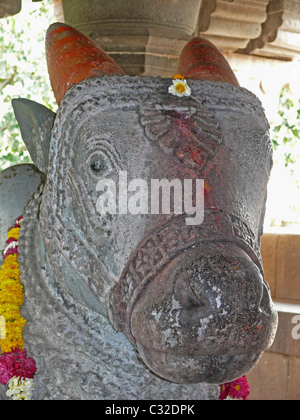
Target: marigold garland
point(16, 368)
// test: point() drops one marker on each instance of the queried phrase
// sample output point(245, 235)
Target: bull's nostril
point(193, 306)
point(266, 305)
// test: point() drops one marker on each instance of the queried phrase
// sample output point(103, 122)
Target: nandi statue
point(122, 299)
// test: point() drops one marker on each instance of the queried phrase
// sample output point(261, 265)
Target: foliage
point(23, 73)
point(284, 197)
point(286, 135)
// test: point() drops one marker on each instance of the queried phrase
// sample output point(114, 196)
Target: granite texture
point(145, 306)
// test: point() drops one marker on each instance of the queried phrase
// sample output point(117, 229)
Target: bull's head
point(191, 298)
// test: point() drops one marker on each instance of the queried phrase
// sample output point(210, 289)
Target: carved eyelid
point(106, 151)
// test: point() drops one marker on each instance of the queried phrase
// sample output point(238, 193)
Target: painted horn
point(201, 60)
point(73, 57)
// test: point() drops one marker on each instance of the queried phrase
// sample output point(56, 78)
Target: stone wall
point(277, 375)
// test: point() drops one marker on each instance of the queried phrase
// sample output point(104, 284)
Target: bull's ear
point(36, 122)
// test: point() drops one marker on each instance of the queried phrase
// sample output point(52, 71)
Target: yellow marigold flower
point(8, 345)
point(12, 294)
point(11, 261)
point(13, 337)
point(14, 233)
point(10, 269)
point(9, 282)
point(15, 327)
point(9, 274)
point(10, 312)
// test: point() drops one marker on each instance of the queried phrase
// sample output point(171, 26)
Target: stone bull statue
point(133, 305)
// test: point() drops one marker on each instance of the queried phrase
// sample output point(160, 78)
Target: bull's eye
point(98, 166)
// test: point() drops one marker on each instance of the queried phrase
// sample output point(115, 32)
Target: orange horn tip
point(201, 60)
point(73, 57)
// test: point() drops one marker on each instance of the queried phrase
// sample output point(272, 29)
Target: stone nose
point(206, 305)
point(190, 301)
point(206, 318)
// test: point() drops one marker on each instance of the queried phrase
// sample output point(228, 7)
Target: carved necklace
point(16, 368)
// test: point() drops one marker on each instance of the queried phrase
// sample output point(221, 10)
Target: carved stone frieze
point(280, 32)
point(231, 24)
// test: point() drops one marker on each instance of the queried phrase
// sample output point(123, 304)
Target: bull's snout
point(206, 318)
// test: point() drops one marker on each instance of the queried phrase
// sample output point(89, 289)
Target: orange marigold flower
point(178, 76)
point(8, 345)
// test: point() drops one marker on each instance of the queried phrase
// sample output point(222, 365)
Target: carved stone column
point(143, 37)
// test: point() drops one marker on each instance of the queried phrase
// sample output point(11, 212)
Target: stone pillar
point(144, 38)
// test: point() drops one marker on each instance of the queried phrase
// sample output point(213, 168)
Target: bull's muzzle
point(205, 317)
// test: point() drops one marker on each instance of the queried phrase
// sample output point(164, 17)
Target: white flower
point(20, 388)
point(11, 245)
point(180, 88)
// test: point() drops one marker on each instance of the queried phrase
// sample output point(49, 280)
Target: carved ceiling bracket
point(231, 24)
point(280, 32)
point(267, 28)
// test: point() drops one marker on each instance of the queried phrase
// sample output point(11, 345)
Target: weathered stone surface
point(17, 185)
point(104, 292)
